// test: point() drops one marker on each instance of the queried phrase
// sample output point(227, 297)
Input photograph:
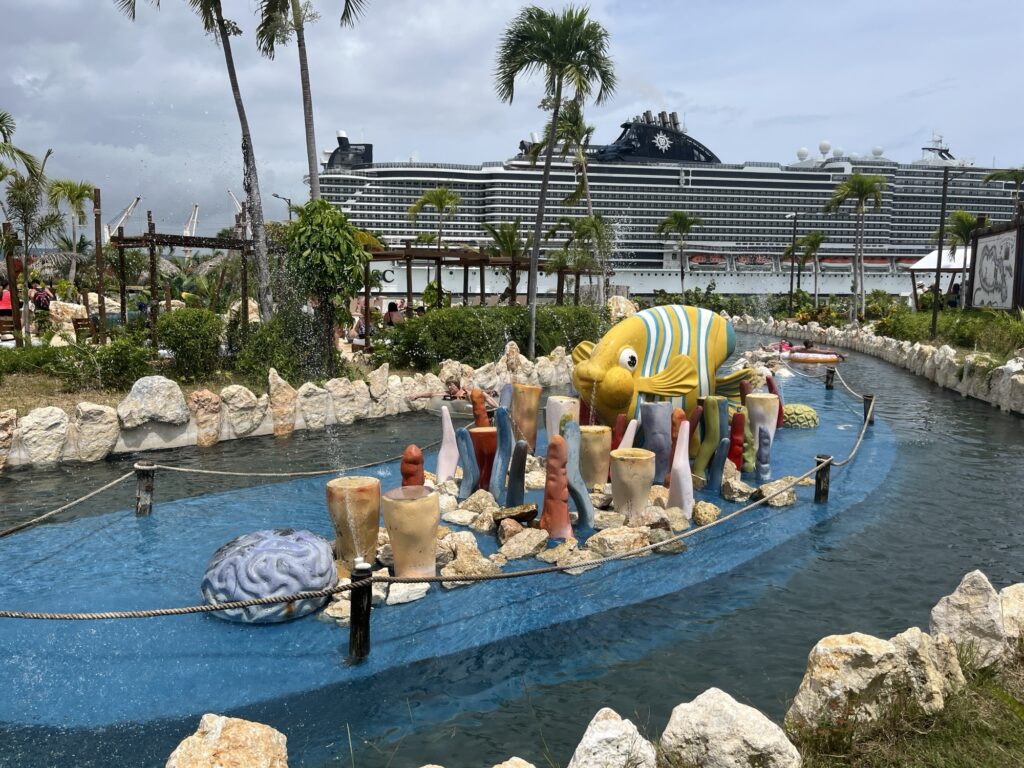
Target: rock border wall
point(978, 375)
point(156, 414)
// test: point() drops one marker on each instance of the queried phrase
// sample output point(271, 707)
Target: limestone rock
point(342, 395)
point(339, 611)
point(282, 404)
point(468, 562)
point(611, 742)
point(554, 554)
point(1012, 601)
point(658, 496)
point(8, 423)
point(734, 489)
point(535, 479)
point(717, 731)
point(480, 501)
point(547, 374)
point(704, 512)
point(535, 463)
point(378, 383)
point(43, 433)
point(445, 502)
point(394, 400)
point(508, 528)
point(677, 519)
point(63, 312)
point(620, 307)
point(385, 555)
point(153, 398)
point(243, 410)
point(92, 434)
point(929, 667)
point(315, 404)
point(528, 543)
point(229, 742)
point(484, 523)
point(515, 762)
point(671, 547)
point(972, 616)
point(577, 557)
point(450, 487)
point(205, 408)
point(784, 499)
point(406, 593)
point(498, 559)
point(523, 513)
point(617, 541)
point(459, 516)
point(601, 500)
point(651, 517)
point(603, 520)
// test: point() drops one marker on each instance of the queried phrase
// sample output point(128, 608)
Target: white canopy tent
point(952, 263)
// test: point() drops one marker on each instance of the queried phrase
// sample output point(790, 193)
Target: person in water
point(454, 391)
point(811, 349)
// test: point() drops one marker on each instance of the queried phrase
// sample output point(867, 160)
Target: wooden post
point(408, 281)
point(465, 282)
point(144, 475)
point(822, 477)
point(440, 291)
point(869, 415)
point(576, 288)
point(513, 281)
point(122, 278)
point(359, 624)
point(101, 293)
point(913, 288)
point(12, 282)
point(830, 377)
point(366, 307)
point(483, 284)
point(154, 298)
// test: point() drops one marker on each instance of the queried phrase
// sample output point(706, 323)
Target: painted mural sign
point(995, 270)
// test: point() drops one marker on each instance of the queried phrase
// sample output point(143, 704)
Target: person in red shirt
point(5, 300)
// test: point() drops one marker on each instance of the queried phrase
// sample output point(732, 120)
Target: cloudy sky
point(145, 107)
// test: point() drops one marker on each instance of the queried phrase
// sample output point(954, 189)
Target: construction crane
point(190, 228)
point(120, 219)
point(238, 209)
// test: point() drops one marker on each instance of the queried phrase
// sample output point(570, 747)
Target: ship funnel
point(535, 137)
point(663, 117)
point(648, 116)
point(342, 135)
point(674, 116)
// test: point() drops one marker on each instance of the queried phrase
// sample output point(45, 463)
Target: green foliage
point(26, 360)
point(430, 295)
point(999, 333)
point(880, 304)
point(115, 366)
point(324, 256)
point(193, 337)
point(478, 335)
point(709, 299)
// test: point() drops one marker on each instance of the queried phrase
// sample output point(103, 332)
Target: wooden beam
point(101, 293)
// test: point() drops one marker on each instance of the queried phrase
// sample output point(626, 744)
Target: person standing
point(5, 300)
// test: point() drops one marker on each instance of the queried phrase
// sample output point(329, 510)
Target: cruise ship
point(655, 166)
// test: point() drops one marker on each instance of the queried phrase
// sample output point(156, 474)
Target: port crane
point(119, 220)
point(238, 209)
point(190, 228)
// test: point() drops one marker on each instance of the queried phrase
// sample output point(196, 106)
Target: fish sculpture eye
point(628, 359)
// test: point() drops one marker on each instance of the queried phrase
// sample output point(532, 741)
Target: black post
point(144, 475)
point(465, 283)
point(122, 279)
point(359, 624)
point(440, 293)
point(822, 477)
point(154, 299)
point(937, 295)
point(869, 414)
point(792, 268)
point(830, 377)
point(101, 297)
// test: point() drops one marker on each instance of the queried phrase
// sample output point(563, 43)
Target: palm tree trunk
point(682, 267)
point(26, 330)
point(531, 287)
point(560, 289)
point(863, 292)
point(307, 102)
point(815, 281)
point(800, 271)
point(250, 179)
point(604, 283)
point(73, 269)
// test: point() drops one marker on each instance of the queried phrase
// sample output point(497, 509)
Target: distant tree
point(861, 189)
point(569, 51)
point(443, 201)
point(508, 243)
point(960, 228)
point(811, 243)
point(74, 193)
point(1013, 175)
point(11, 153)
point(680, 224)
point(279, 19)
point(325, 259)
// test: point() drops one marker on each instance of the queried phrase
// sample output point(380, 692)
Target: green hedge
point(987, 330)
point(478, 335)
point(115, 366)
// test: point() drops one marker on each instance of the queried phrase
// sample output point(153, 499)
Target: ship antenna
point(683, 126)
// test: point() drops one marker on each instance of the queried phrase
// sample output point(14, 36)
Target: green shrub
point(478, 335)
point(27, 360)
point(193, 337)
point(999, 333)
point(115, 366)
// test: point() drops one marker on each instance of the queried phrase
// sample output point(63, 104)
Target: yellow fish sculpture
point(669, 352)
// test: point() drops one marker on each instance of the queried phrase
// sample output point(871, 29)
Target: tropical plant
point(679, 223)
point(960, 228)
point(211, 14)
point(8, 151)
point(1013, 175)
point(74, 193)
point(568, 50)
point(279, 19)
point(588, 242)
point(508, 243)
point(811, 243)
point(443, 201)
point(326, 260)
point(861, 189)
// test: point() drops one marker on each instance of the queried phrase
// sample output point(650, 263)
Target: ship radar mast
point(938, 148)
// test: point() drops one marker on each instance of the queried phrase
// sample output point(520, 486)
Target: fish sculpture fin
point(678, 378)
point(729, 386)
point(582, 352)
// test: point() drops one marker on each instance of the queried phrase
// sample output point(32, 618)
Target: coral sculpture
point(555, 516)
point(412, 466)
point(799, 416)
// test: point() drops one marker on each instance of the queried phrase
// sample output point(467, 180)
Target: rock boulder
point(315, 404)
point(972, 616)
point(282, 404)
point(93, 432)
point(205, 408)
point(228, 742)
point(243, 410)
point(153, 398)
point(43, 434)
point(611, 742)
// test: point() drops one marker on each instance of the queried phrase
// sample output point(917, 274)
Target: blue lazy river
point(91, 675)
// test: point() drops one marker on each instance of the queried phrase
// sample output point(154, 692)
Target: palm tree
point(1013, 175)
point(509, 244)
point(74, 193)
point(960, 228)
point(278, 19)
point(679, 223)
point(568, 50)
point(442, 200)
point(588, 240)
point(811, 243)
point(861, 188)
point(11, 153)
point(212, 16)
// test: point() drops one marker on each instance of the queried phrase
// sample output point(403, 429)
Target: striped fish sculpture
point(669, 352)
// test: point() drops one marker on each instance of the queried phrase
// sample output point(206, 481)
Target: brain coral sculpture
point(799, 416)
point(270, 562)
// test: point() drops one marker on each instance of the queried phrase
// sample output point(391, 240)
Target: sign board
point(996, 270)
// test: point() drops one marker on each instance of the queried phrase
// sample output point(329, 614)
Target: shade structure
point(951, 262)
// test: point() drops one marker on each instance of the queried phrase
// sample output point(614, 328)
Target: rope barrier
point(29, 523)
